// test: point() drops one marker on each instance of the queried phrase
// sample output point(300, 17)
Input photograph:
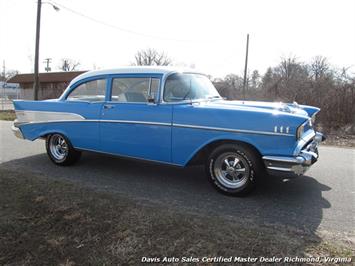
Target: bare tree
point(255, 80)
point(8, 74)
point(151, 57)
point(317, 83)
point(69, 65)
point(319, 67)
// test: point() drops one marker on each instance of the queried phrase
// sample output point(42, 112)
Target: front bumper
point(297, 164)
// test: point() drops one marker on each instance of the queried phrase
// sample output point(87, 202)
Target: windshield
point(180, 87)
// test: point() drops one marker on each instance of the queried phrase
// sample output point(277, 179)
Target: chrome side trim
point(282, 159)
point(127, 156)
point(52, 121)
point(233, 130)
point(97, 121)
point(133, 122)
point(71, 117)
point(279, 169)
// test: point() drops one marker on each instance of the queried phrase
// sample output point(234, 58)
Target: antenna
point(246, 67)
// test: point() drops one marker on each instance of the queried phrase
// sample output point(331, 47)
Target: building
point(52, 84)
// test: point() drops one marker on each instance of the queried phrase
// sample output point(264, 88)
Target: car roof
point(133, 70)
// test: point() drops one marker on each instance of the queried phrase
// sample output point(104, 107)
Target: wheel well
point(201, 156)
point(45, 136)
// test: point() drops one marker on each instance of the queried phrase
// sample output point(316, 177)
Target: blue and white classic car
point(174, 117)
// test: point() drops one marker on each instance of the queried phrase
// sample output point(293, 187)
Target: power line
point(120, 28)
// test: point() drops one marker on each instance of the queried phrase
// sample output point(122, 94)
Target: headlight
point(300, 131)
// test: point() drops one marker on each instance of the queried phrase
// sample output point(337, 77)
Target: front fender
point(224, 137)
point(187, 142)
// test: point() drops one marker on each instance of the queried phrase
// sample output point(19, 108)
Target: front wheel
point(232, 169)
point(60, 150)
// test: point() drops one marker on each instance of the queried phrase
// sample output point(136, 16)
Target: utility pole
point(246, 67)
point(38, 28)
point(47, 61)
point(3, 86)
point(3, 70)
point(65, 65)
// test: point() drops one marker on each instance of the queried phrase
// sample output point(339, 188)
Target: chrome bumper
point(17, 132)
point(298, 164)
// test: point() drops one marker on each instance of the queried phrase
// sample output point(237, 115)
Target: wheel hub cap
point(231, 170)
point(58, 147)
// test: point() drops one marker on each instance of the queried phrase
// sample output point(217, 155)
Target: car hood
point(292, 108)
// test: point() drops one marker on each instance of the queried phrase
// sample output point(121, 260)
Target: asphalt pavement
point(323, 199)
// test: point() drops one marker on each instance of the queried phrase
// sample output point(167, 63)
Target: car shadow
point(296, 204)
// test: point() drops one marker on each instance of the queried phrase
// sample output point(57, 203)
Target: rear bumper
point(17, 131)
point(297, 164)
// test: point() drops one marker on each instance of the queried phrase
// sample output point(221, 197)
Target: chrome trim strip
point(134, 122)
point(52, 121)
point(127, 156)
point(281, 159)
point(96, 120)
point(41, 117)
point(161, 124)
point(279, 169)
point(233, 130)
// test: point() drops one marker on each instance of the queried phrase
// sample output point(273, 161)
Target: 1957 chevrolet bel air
point(173, 117)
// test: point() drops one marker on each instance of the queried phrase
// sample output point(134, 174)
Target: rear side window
point(91, 91)
point(134, 90)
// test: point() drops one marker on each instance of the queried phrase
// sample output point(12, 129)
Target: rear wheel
point(233, 169)
point(60, 150)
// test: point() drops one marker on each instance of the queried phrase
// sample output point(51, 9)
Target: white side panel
point(41, 116)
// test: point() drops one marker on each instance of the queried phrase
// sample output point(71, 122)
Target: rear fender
point(36, 131)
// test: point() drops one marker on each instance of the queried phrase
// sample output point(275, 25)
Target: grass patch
point(8, 115)
point(47, 222)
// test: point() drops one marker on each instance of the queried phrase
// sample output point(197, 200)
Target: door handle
point(108, 106)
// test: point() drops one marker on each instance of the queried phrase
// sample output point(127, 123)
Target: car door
point(131, 124)
point(82, 105)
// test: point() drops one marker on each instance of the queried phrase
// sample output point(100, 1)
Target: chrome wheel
point(58, 147)
point(231, 170)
